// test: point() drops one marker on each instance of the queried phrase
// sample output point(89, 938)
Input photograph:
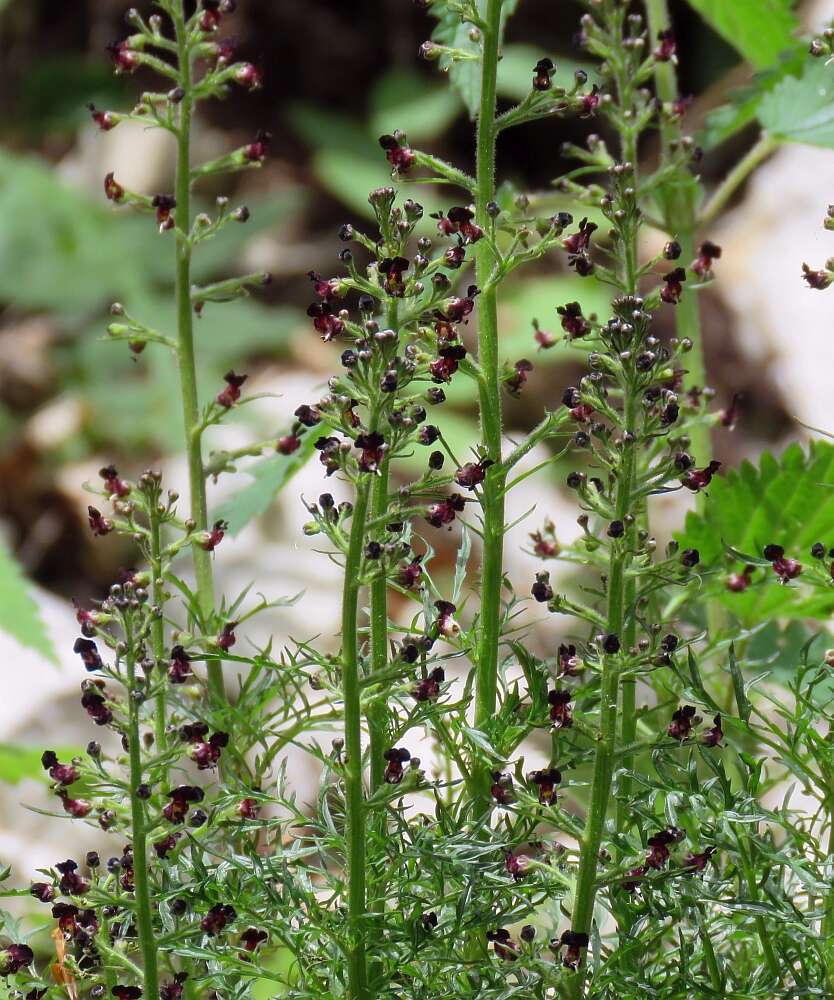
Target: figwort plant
point(647, 851)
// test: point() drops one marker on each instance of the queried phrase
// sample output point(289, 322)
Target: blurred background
point(337, 76)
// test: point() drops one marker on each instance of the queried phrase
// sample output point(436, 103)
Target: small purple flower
point(713, 736)
point(88, 651)
point(516, 381)
point(698, 479)
point(395, 758)
point(99, 524)
point(819, 280)
point(672, 289)
point(702, 265)
point(683, 719)
point(71, 884)
point(325, 322)
point(179, 670)
point(428, 688)
point(125, 59)
point(472, 474)
point(542, 73)
point(574, 943)
point(667, 46)
point(786, 569)
point(63, 774)
point(573, 322)
point(217, 918)
point(231, 394)
point(181, 798)
point(503, 945)
point(15, 957)
point(443, 512)
point(249, 76)
point(252, 937)
point(658, 853)
point(397, 152)
point(546, 780)
point(560, 711)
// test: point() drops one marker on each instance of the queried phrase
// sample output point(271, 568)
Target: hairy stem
point(144, 916)
point(185, 340)
point(354, 790)
point(492, 499)
point(158, 628)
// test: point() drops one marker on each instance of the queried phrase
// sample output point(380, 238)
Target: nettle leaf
point(759, 30)
point(269, 476)
point(745, 102)
point(19, 614)
point(801, 109)
point(787, 501)
point(465, 75)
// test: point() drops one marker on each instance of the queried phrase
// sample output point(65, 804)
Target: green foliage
point(759, 30)
point(787, 501)
point(19, 763)
point(19, 615)
point(801, 109)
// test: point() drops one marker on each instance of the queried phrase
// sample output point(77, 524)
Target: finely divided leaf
point(802, 109)
point(787, 501)
point(19, 615)
point(759, 30)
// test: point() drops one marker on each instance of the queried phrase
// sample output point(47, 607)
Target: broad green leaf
point(403, 99)
point(759, 30)
point(269, 476)
point(465, 75)
point(787, 501)
point(743, 105)
point(802, 109)
point(19, 615)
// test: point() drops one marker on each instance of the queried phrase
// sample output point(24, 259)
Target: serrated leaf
point(269, 476)
point(787, 501)
point(744, 103)
point(759, 30)
point(19, 614)
point(801, 109)
point(465, 75)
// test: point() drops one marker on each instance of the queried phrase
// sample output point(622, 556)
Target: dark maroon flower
point(445, 621)
point(546, 780)
point(214, 536)
point(573, 322)
point(397, 152)
point(544, 548)
point(287, 444)
point(329, 448)
point(702, 265)
point(472, 474)
point(248, 808)
point(786, 569)
point(454, 257)
point(428, 688)
point(125, 59)
point(460, 221)
point(635, 874)
point(15, 957)
point(672, 289)
point(739, 582)
point(560, 713)
point(179, 670)
point(106, 120)
point(579, 242)
point(457, 308)
point(63, 774)
point(443, 512)
point(113, 484)
point(667, 46)
point(181, 799)
point(88, 651)
point(217, 918)
point(206, 753)
point(590, 103)
point(582, 413)
point(410, 573)
point(574, 943)
point(521, 371)
point(541, 589)
point(307, 415)
point(820, 280)
point(112, 189)
point(227, 637)
point(173, 989)
point(501, 789)
point(95, 705)
point(698, 479)
point(683, 719)
point(42, 891)
point(373, 447)
point(713, 736)
point(503, 945)
point(167, 844)
point(569, 663)
point(729, 416)
point(231, 394)
point(126, 992)
point(257, 151)
point(249, 76)
point(252, 937)
point(395, 757)
point(164, 205)
point(446, 365)
point(658, 853)
point(690, 558)
point(327, 289)
point(542, 72)
point(71, 884)
point(544, 338)
point(698, 862)
point(516, 865)
point(99, 524)
point(324, 321)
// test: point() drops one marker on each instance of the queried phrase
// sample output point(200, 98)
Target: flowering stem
point(144, 918)
point(185, 339)
point(158, 625)
point(354, 791)
point(492, 497)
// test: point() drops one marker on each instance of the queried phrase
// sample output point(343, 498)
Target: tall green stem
point(144, 915)
point(185, 338)
point(492, 497)
point(354, 790)
point(158, 627)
